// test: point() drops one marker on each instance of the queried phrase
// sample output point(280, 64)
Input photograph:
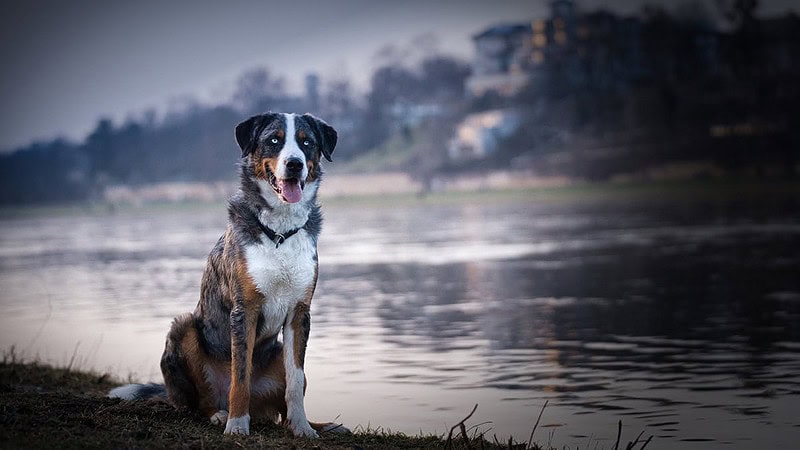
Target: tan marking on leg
point(250, 295)
point(195, 360)
point(244, 320)
point(301, 325)
point(301, 322)
point(309, 293)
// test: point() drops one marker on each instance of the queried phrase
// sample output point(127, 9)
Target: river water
point(681, 318)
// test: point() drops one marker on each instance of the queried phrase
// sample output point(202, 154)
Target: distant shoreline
point(531, 190)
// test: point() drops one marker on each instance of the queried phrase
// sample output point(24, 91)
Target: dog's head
point(285, 150)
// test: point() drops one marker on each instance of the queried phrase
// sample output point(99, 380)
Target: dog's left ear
point(325, 133)
point(248, 131)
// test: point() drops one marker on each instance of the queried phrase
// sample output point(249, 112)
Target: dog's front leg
point(243, 335)
point(295, 338)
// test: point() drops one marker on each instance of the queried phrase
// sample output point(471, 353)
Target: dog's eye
point(306, 143)
point(274, 140)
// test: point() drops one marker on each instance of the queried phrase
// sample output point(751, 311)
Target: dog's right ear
point(247, 132)
point(245, 136)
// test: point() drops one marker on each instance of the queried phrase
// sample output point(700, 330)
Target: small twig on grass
point(338, 425)
point(619, 434)
point(329, 430)
point(530, 439)
point(449, 443)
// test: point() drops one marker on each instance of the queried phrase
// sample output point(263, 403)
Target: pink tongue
point(291, 190)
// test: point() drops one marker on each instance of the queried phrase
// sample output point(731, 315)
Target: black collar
point(278, 238)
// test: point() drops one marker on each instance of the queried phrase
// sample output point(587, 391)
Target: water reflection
point(680, 318)
point(644, 316)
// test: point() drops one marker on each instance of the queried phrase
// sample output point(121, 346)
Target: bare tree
point(256, 87)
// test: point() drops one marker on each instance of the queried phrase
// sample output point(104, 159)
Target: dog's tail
point(139, 392)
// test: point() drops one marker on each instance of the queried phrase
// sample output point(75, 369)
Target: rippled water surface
point(681, 319)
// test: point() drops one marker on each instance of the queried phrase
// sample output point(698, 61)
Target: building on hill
point(502, 61)
point(597, 49)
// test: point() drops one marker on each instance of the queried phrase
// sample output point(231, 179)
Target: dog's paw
point(303, 430)
point(238, 425)
point(220, 417)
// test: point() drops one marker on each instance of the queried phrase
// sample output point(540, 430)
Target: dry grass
point(45, 407)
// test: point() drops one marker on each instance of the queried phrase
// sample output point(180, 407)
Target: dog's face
point(285, 150)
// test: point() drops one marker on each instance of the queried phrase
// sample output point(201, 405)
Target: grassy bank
point(46, 407)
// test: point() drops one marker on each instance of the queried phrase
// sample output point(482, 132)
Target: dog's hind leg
point(182, 365)
point(268, 387)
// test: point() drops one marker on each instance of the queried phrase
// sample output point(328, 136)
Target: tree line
point(736, 106)
point(196, 143)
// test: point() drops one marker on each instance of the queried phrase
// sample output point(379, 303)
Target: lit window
point(539, 40)
point(561, 37)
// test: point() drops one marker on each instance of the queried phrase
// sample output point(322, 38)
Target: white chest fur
point(282, 274)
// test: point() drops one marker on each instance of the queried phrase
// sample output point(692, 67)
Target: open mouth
point(289, 190)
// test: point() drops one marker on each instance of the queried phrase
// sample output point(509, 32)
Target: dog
point(225, 360)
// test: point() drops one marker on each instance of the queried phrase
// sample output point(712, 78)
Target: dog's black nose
point(294, 165)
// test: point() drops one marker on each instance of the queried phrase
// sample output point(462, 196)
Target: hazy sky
point(67, 63)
